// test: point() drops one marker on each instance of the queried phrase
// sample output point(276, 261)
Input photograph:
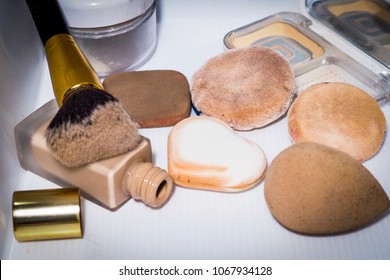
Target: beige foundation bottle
point(109, 182)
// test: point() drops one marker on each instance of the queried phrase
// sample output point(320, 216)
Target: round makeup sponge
point(339, 115)
point(315, 189)
point(246, 88)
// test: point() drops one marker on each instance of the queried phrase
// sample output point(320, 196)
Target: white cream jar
point(115, 35)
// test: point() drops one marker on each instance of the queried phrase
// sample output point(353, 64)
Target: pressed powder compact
point(366, 24)
point(312, 58)
point(281, 36)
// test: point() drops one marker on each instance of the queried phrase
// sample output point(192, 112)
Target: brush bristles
point(91, 125)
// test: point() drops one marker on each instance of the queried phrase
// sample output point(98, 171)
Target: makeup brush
point(90, 124)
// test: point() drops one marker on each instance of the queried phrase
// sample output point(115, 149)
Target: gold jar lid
point(47, 214)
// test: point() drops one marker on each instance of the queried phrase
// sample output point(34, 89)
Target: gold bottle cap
point(47, 214)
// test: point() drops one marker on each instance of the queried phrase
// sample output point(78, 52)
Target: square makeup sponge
point(154, 98)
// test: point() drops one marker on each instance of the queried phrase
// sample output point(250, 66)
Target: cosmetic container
point(365, 24)
point(313, 58)
point(115, 35)
point(47, 214)
point(109, 182)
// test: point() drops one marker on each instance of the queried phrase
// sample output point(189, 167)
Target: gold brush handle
point(69, 68)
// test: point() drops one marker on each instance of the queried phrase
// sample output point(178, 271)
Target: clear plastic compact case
point(365, 23)
point(313, 58)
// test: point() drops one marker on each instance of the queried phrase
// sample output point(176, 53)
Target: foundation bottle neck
point(148, 183)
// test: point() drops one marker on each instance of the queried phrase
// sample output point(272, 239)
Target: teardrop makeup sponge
point(154, 98)
point(205, 153)
point(315, 189)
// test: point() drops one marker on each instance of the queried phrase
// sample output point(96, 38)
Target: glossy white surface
point(194, 224)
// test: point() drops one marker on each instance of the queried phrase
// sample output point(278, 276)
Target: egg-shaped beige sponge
point(315, 189)
point(206, 153)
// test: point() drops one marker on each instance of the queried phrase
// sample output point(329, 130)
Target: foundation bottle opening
point(148, 183)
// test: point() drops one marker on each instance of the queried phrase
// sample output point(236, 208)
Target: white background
point(194, 224)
